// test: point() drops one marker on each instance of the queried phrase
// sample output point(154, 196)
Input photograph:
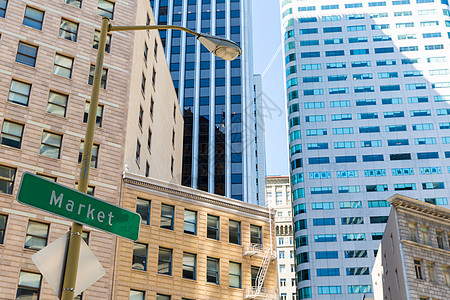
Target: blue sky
point(267, 59)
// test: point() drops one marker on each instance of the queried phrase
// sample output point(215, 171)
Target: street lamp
point(220, 47)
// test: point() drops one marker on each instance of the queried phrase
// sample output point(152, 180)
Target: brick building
point(47, 53)
point(193, 245)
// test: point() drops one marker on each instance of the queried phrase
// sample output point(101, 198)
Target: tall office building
point(216, 96)
point(48, 50)
point(368, 100)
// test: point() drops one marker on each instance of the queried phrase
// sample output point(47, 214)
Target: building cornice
point(183, 193)
point(425, 247)
point(419, 207)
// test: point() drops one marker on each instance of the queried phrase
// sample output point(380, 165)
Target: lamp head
point(220, 47)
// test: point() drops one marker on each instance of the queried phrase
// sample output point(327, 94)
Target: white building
point(368, 100)
point(278, 198)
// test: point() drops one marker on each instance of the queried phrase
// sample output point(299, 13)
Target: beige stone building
point(278, 198)
point(193, 245)
point(413, 261)
point(47, 53)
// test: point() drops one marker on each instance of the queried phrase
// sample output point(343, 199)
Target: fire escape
point(267, 255)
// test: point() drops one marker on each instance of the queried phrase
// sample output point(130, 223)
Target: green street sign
point(52, 197)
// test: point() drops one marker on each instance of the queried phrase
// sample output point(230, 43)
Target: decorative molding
point(183, 193)
point(419, 207)
point(425, 247)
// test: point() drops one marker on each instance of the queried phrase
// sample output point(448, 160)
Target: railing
point(256, 250)
point(252, 292)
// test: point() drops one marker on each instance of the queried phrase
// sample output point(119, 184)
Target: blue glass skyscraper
point(217, 99)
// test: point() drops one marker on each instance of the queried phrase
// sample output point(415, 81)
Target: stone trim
point(425, 247)
point(182, 192)
point(417, 206)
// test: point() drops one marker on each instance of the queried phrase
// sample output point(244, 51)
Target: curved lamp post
point(220, 47)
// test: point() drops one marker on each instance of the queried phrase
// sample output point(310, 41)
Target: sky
point(268, 61)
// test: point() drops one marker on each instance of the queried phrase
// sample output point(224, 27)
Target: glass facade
point(215, 96)
point(368, 120)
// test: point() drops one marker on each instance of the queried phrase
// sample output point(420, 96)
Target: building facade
point(278, 198)
point(216, 97)
point(48, 50)
point(193, 245)
point(367, 98)
point(414, 255)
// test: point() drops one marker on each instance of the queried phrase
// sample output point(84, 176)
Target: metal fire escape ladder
point(263, 270)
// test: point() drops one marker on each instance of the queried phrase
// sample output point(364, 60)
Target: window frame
point(139, 257)
point(257, 239)
point(189, 268)
point(24, 52)
point(215, 270)
point(163, 263)
point(165, 218)
point(69, 33)
point(213, 229)
point(15, 141)
point(21, 287)
point(189, 222)
point(60, 69)
point(104, 12)
point(148, 210)
point(233, 275)
point(232, 233)
point(33, 236)
point(30, 20)
point(50, 146)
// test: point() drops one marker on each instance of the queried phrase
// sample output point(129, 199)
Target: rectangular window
point(213, 227)
point(63, 66)
point(29, 285)
point(446, 273)
point(19, 92)
point(97, 38)
point(11, 134)
point(33, 18)
point(143, 209)
point(57, 104)
point(139, 257)
point(167, 216)
point(76, 3)
point(339, 65)
point(350, 204)
point(322, 238)
point(355, 253)
point(26, 54)
point(352, 220)
point(165, 261)
point(51, 144)
point(189, 265)
point(190, 222)
point(135, 295)
point(103, 79)
point(3, 4)
point(235, 275)
point(418, 268)
point(354, 237)
point(327, 255)
point(94, 155)
point(3, 220)
point(37, 234)
point(212, 270)
point(68, 30)
point(105, 9)
point(99, 116)
point(255, 235)
point(328, 272)
point(373, 143)
point(234, 231)
point(357, 271)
